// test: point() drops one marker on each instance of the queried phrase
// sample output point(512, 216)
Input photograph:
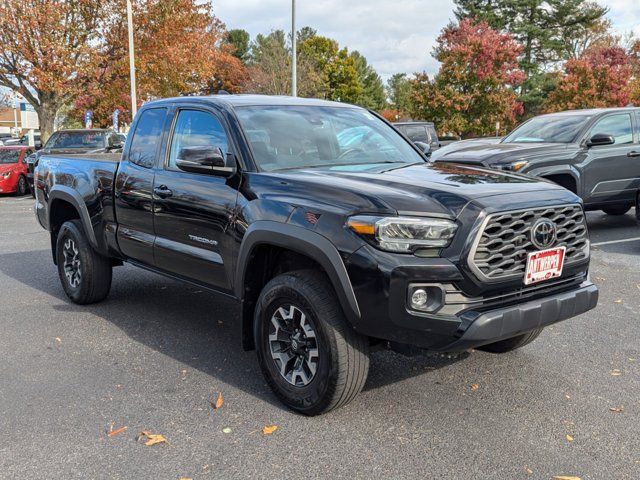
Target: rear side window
point(432, 133)
point(416, 133)
point(146, 137)
point(618, 126)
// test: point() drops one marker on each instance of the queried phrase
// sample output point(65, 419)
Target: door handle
point(162, 191)
point(633, 153)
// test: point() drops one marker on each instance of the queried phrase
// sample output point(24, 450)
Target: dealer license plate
point(544, 265)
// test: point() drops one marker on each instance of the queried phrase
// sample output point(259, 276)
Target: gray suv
point(594, 153)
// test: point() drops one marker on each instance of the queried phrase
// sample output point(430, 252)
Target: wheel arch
point(66, 204)
point(302, 248)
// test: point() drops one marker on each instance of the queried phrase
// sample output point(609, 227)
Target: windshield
point(289, 137)
point(79, 140)
point(549, 129)
point(9, 156)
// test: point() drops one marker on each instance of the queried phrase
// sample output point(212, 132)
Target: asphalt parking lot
point(156, 353)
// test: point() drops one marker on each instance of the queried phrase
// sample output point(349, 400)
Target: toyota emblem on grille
point(543, 233)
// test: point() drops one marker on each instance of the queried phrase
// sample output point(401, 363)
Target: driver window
point(618, 126)
point(195, 128)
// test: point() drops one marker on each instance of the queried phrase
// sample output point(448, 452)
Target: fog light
point(419, 298)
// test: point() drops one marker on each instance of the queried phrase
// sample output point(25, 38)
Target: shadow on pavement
point(189, 325)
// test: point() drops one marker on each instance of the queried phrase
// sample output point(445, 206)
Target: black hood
point(499, 153)
point(440, 188)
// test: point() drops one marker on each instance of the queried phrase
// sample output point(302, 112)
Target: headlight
point(6, 175)
point(513, 166)
point(404, 234)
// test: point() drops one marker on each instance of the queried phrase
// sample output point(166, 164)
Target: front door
point(192, 211)
point(611, 173)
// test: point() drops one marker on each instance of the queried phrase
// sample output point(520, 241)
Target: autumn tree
point(474, 87)
point(181, 49)
point(544, 28)
point(51, 51)
point(601, 77)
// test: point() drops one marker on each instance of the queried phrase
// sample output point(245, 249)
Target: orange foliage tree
point(180, 49)
point(601, 77)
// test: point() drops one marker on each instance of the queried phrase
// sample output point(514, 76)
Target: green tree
point(337, 74)
point(399, 93)
point(269, 63)
point(239, 40)
point(373, 95)
point(544, 28)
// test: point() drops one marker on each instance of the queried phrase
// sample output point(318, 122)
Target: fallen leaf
point(269, 429)
point(617, 300)
point(219, 402)
point(563, 477)
point(58, 340)
point(226, 430)
point(567, 397)
point(151, 438)
point(615, 372)
point(474, 387)
point(186, 478)
point(569, 438)
point(117, 431)
point(617, 409)
point(529, 471)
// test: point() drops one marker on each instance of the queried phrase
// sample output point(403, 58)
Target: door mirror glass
point(423, 147)
point(205, 159)
point(600, 139)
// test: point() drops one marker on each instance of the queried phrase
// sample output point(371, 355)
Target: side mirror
point(423, 147)
point(207, 159)
point(114, 142)
point(600, 139)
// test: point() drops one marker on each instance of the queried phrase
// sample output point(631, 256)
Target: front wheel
point(311, 357)
point(85, 275)
point(510, 344)
point(22, 187)
point(617, 210)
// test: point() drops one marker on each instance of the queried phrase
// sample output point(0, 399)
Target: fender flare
point(305, 242)
point(558, 170)
point(62, 192)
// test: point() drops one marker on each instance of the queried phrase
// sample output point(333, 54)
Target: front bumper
point(464, 321)
point(478, 329)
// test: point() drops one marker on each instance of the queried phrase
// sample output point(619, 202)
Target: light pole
point(294, 53)
point(132, 63)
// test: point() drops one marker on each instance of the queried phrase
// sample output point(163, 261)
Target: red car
point(13, 169)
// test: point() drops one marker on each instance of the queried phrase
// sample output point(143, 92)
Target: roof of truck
point(253, 100)
point(595, 111)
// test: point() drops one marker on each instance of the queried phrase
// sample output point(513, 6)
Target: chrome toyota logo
point(543, 233)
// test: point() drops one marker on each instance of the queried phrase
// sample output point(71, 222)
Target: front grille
point(500, 251)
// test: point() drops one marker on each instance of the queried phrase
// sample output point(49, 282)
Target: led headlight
point(404, 234)
point(6, 175)
point(513, 166)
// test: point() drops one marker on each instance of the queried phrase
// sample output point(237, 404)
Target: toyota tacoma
point(329, 228)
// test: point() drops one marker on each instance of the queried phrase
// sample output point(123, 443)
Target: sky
point(395, 36)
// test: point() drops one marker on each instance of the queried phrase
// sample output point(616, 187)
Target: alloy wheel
point(72, 263)
point(293, 345)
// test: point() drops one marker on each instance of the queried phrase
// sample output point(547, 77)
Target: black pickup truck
point(594, 153)
point(328, 227)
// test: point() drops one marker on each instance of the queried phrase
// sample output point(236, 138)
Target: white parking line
point(610, 242)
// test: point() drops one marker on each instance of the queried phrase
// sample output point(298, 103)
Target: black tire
point(23, 186)
point(94, 280)
point(617, 210)
point(510, 344)
point(342, 361)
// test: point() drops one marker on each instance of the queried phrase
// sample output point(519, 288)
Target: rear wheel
point(85, 274)
point(310, 355)
point(510, 344)
point(617, 210)
point(23, 187)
